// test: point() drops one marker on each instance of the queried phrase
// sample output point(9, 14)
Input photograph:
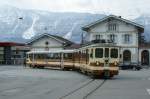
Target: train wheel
point(41, 67)
point(66, 69)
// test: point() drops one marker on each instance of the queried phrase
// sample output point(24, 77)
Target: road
point(17, 82)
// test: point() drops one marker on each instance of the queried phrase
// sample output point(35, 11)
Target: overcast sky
point(125, 8)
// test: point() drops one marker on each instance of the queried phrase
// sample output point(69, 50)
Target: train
point(96, 60)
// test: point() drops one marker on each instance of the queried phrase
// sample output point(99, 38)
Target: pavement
point(18, 82)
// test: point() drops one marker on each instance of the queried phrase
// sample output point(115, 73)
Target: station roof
point(58, 38)
point(11, 44)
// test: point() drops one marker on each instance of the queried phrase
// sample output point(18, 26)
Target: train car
point(60, 59)
point(101, 59)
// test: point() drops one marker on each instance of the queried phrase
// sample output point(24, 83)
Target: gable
point(59, 39)
point(121, 26)
point(42, 42)
point(103, 22)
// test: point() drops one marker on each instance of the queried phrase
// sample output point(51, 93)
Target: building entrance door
point(126, 57)
point(145, 57)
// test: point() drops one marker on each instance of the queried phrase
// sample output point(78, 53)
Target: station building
point(12, 53)
point(124, 33)
point(144, 54)
point(48, 42)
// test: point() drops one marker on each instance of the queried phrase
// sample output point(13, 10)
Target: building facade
point(12, 53)
point(120, 31)
point(48, 42)
point(144, 56)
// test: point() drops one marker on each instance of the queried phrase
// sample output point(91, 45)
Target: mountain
point(19, 25)
point(144, 20)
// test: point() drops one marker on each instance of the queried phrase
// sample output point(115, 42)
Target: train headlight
point(27, 60)
point(97, 63)
point(115, 63)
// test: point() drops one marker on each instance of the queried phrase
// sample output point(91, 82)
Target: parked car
point(131, 66)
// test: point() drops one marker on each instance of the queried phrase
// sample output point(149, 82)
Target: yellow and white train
point(101, 59)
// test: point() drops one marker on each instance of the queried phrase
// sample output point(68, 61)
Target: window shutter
point(131, 39)
point(116, 38)
point(123, 38)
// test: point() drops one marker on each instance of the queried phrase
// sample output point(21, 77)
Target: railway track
point(84, 91)
point(92, 91)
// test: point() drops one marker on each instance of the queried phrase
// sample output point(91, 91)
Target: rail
point(84, 86)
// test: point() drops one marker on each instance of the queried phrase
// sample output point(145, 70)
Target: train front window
point(114, 53)
point(106, 52)
point(99, 53)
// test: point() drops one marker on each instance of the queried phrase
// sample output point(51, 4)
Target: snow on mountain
point(20, 25)
point(69, 34)
point(144, 20)
point(25, 24)
point(31, 32)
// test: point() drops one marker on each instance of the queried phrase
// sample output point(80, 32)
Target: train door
point(106, 62)
point(62, 60)
point(107, 52)
point(145, 57)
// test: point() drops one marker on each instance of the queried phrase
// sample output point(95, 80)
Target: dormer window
point(112, 27)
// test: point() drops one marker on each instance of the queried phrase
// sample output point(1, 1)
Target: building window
point(112, 37)
point(98, 37)
point(126, 56)
point(112, 27)
point(127, 38)
point(46, 43)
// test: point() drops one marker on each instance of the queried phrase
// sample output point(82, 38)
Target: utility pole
point(82, 39)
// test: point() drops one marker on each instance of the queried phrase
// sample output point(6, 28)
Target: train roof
point(100, 45)
point(56, 51)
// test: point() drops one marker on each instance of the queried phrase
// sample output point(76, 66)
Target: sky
point(126, 8)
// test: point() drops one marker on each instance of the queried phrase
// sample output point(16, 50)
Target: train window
point(91, 54)
point(98, 52)
point(43, 56)
point(87, 56)
point(56, 56)
point(53, 56)
point(35, 56)
point(67, 55)
point(49, 56)
point(106, 52)
point(114, 53)
point(40, 56)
